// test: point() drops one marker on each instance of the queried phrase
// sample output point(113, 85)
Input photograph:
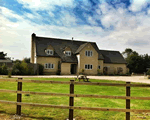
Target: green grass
point(62, 114)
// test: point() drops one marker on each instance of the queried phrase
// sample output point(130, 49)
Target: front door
point(73, 68)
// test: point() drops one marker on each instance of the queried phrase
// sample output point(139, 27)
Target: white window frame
point(49, 52)
point(89, 67)
point(49, 66)
point(89, 53)
point(99, 67)
point(68, 53)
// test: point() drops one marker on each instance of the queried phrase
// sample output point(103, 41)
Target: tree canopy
point(135, 62)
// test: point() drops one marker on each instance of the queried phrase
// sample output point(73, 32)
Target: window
point(49, 52)
point(88, 53)
point(49, 66)
point(68, 53)
point(99, 67)
point(88, 66)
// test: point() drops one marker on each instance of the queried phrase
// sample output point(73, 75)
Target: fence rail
point(74, 107)
point(75, 95)
point(71, 96)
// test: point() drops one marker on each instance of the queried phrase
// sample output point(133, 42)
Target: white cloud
point(45, 4)
point(137, 5)
point(129, 30)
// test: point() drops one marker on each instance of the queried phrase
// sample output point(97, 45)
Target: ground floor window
point(49, 66)
point(99, 67)
point(88, 66)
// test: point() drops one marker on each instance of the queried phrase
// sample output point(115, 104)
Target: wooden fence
point(71, 96)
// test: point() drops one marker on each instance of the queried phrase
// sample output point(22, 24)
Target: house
point(74, 57)
point(4, 60)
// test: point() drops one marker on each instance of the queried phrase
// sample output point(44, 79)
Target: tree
point(127, 52)
point(135, 62)
point(17, 60)
point(27, 60)
point(2, 55)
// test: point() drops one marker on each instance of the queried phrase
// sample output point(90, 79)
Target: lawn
point(62, 114)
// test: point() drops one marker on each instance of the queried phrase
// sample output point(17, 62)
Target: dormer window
point(49, 52)
point(68, 53)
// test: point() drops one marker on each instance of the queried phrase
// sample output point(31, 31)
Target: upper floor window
point(88, 66)
point(88, 53)
point(68, 53)
point(49, 52)
point(99, 67)
point(49, 66)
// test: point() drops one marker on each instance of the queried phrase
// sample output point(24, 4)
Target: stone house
point(74, 57)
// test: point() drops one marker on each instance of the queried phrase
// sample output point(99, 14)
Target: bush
point(3, 70)
point(41, 68)
point(17, 69)
point(58, 72)
point(22, 69)
point(9, 74)
point(148, 72)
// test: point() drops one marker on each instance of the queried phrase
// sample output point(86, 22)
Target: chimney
point(33, 35)
point(72, 38)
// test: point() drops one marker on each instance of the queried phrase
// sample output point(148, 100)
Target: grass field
point(62, 114)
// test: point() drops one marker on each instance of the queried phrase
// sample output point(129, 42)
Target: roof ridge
point(110, 50)
point(65, 39)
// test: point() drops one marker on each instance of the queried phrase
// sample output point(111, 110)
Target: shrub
point(17, 69)
point(9, 74)
point(22, 69)
point(82, 70)
point(41, 68)
point(148, 72)
point(3, 70)
point(25, 68)
point(58, 72)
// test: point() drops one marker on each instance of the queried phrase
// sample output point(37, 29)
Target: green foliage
point(27, 60)
point(17, 68)
point(135, 62)
point(22, 69)
point(2, 55)
point(9, 74)
point(41, 68)
point(3, 70)
point(148, 72)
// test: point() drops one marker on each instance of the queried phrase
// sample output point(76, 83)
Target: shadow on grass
point(39, 118)
point(35, 117)
point(2, 112)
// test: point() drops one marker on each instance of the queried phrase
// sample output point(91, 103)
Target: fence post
point(19, 97)
point(71, 100)
point(127, 100)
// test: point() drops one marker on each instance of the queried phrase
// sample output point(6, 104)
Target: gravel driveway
point(140, 79)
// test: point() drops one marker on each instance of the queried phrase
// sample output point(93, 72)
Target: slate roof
point(76, 46)
point(59, 46)
point(112, 56)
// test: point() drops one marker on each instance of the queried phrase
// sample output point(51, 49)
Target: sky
point(112, 24)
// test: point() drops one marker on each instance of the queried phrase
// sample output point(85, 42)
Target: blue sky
point(112, 24)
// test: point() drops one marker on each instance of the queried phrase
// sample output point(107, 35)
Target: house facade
point(74, 57)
